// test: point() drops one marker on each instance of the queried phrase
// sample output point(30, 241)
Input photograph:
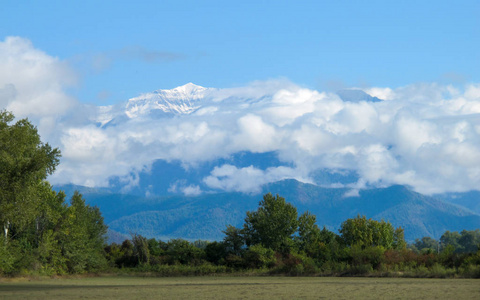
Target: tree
point(365, 232)
point(234, 240)
point(272, 225)
point(469, 240)
point(215, 252)
point(451, 239)
point(426, 245)
point(24, 162)
point(183, 252)
point(141, 251)
point(82, 236)
point(309, 234)
point(399, 239)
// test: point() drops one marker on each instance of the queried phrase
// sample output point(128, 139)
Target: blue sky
point(274, 67)
point(119, 49)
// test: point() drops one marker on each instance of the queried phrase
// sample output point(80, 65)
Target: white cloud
point(473, 92)
point(255, 135)
point(248, 179)
point(381, 93)
point(188, 190)
point(425, 135)
point(33, 84)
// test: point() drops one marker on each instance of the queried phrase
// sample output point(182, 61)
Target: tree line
point(45, 234)
point(274, 239)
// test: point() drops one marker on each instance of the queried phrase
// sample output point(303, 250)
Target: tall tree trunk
point(5, 230)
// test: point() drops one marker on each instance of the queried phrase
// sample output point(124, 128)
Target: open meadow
point(125, 287)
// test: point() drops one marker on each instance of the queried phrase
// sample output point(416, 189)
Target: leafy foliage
point(365, 232)
point(41, 233)
point(272, 225)
point(24, 162)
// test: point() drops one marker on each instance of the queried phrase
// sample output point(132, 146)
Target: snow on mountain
point(180, 100)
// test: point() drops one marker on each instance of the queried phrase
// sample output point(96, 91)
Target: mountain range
point(172, 200)
point(206, 216)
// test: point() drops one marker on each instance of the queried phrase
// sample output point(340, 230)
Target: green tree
point(469, 240)
point(215, 252)
point(156, 247)
point(309, 235)
point(183, 252)
point(234, 240)
point(45, 232)
point(426, 244)
point(399, 239)
point(24, 162)
point(272, 225)
point(82, 237)
point(141, 251)
point(258, 256)
point(365, 232)
point(451, 238)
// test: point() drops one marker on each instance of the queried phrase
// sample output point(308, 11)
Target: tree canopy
point(40, 230)
point(365, 232)
point(272, 225)
point(24, 162)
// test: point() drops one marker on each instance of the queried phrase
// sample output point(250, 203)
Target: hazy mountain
point(205, 216)
point(356, 95)
point(470, 200)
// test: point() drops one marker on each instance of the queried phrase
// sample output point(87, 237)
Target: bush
point(215, 252)
point(370, 255)
point(363, 269)
point(7, 259)
point(180, 251)
point(234, 261)
point(331, 267)
point(469, 271)
point(439, 271)
point(258, 257)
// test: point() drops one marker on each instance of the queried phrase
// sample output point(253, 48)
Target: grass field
point(239, 288)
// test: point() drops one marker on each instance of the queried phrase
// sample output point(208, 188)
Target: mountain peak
point(356, 95)
point(188, 88)
point(180, 100)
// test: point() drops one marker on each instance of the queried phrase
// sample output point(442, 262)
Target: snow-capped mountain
point(207, 150)
point(181, 100)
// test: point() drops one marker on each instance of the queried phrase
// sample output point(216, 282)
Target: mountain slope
point(470, 200)
point(205, 216)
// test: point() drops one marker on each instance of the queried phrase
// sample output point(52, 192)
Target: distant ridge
point(205, 216)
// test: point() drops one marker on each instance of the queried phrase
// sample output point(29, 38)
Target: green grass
point(230, 287)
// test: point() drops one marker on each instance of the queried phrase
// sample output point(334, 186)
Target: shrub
point(234, 261)
point(183, 252)
point(370, 255)
point(469, 271)
point(257, 257)
point(362, 269)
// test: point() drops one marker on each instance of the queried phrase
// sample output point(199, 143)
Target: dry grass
point(240, 288)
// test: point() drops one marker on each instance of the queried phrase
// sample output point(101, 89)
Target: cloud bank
point(34, 84)
point(423, 135)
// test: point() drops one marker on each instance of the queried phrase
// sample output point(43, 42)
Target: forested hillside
point(205, 216)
